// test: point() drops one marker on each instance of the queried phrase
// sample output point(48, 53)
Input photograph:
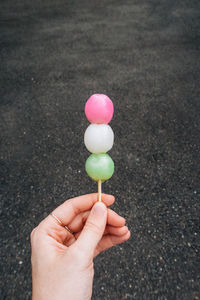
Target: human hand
point(62, 262)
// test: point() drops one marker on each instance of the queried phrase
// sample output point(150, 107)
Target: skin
point(62, 262)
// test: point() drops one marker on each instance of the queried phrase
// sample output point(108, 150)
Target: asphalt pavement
point(145, 55)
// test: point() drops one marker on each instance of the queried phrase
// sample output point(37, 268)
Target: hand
point(62, 262)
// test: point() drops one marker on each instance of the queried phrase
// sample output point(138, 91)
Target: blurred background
point(145, 55)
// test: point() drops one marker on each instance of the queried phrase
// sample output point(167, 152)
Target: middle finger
point(78, 222)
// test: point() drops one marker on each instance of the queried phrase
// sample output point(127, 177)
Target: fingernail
point(99, 209)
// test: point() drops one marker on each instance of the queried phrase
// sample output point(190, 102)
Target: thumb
point(94, 228)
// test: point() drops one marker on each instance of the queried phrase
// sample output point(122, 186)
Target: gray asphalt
point(145, 55)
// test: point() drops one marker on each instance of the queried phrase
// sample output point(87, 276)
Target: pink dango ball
point(99, 109)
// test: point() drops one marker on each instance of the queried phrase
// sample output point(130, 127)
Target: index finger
point(72, 207)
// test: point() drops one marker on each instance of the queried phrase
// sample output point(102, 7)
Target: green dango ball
point(99, 166)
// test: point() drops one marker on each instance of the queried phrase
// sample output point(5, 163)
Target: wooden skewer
point(99, 190)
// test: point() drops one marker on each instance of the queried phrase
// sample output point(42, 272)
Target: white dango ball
point(98, 138)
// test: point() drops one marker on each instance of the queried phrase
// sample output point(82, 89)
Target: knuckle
point(33, 233)
point(35, 236)
point(93, 227)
